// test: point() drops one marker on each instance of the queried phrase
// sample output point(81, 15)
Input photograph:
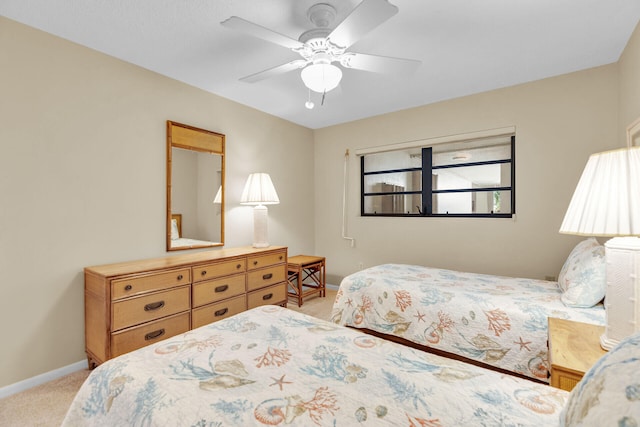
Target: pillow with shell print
point(583, 279)
point(609, 393)
point(175, 234)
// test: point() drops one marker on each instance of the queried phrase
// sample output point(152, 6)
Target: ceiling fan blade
point(260, 32)
point(364, 18)
point(271, 72)
point(378, 64)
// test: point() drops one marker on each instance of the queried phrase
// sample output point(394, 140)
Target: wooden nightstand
point(573, 348)
point(301, 268)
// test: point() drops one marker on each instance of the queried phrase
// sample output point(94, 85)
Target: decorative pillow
point(609, 393)
point(582, 278)
point(174, 230)
point(578, 250)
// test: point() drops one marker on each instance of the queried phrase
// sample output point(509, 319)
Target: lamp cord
point(631, 129)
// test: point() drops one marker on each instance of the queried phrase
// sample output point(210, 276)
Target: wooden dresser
point(130, 305)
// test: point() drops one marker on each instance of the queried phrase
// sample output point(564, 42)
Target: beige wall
point(82, 182)
point(559, 122)
point(629, 66)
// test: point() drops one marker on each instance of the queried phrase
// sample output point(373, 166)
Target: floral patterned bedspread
point(499, 321)
point(274, 366)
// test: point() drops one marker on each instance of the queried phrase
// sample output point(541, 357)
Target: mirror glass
point(195, 187)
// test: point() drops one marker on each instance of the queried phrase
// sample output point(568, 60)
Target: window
point(464, 178)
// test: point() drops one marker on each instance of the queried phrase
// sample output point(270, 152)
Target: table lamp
point(606, 202)
point(218, 198)
point(259, 191)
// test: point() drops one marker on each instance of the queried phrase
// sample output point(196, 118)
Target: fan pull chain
point(309, 104)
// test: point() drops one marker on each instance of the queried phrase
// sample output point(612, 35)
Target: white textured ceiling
point(466, 46)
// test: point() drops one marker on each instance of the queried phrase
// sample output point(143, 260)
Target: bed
point(179, 242)
point(274, 366)
point(497, 322)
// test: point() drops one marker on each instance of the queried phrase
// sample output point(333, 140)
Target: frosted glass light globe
point(321, 78)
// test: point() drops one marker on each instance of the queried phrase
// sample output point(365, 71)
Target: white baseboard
point(42, 378)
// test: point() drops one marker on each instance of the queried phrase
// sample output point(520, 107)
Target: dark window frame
point(427, 192)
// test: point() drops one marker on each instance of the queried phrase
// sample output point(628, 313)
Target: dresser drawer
point(260, 261)
point(145, 308)
point(219, 269)
point(121, 288)
point(211, 313)
point(149, 333)
point(216, 290)
point(265, 277)
point(276, 294)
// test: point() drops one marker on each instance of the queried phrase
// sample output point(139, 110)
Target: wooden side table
point(301, 268)
point(573, 348)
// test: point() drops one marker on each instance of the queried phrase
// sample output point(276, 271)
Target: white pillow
point(174, 230)
point(582, 278)
point(609, 393)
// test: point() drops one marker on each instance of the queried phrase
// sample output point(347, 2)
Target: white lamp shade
point(321, 77)
point(259, 190)
point(218, 198)
point(606, 201)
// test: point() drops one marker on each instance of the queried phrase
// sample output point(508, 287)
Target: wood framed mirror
point(195, 187)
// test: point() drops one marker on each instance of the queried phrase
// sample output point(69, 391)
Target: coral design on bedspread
point(500, 321)
point(271, 366)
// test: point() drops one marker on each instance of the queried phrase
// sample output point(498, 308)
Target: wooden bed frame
point(442, 353)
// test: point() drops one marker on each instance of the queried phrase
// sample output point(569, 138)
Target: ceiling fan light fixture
point(321, 77)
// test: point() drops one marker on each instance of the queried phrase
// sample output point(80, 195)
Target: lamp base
point(260, 217)
point(622, 300)
point(606, 343)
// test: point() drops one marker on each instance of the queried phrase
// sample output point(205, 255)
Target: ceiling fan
point(321, 46)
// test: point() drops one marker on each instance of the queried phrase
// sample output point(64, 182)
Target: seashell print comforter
point(272, 366)
point(495, 320)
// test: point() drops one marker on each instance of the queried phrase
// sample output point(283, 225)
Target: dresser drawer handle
point(203, 273)
point(154, 334)
point(255, 262)
point(180, 276)
point(280, 258)
point(128, 288)
point(238, 266)
point(221, 312)
point(267, 276)
point(267, 297)
point(221, 288)
point(154, 306)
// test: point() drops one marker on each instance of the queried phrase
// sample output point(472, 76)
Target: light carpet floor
point(47, 404)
